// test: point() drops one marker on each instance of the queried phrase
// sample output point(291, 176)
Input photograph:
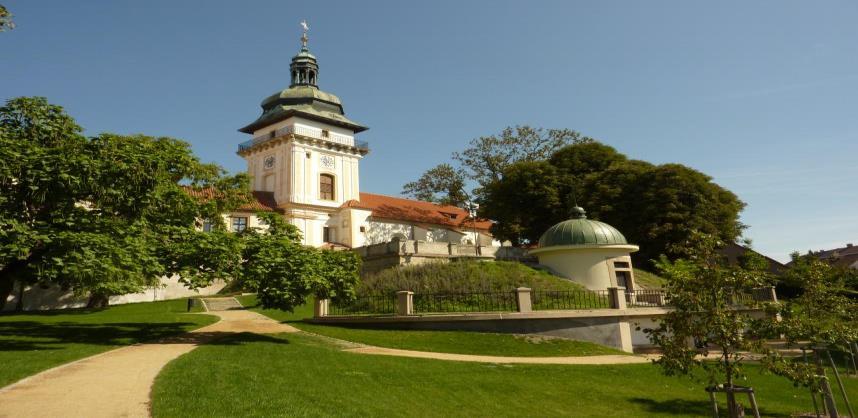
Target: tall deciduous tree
point(487, 157)
point(105, 215)
point(442, 184)
point(655, 206)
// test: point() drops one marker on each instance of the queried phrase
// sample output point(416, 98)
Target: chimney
point(849, 245)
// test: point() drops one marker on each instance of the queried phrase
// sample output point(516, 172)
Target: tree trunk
point(98, 300)
point(19, 306)
point(7, 284)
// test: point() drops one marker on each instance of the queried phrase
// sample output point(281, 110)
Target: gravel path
point(117, 383)
point(605, 359)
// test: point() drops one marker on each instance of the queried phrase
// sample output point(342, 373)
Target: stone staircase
point(221, 304)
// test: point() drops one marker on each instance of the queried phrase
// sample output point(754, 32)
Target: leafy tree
point(528, 200)
point(442, 184)
point(584, 158)
point(6, 22)
point(655, 206)
point(284, 272)
point(823, 315)
point(105, 215)
point(487, 157)
point(702, 288)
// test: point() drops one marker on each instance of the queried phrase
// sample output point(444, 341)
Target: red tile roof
point(262, 201)
point(399, 209)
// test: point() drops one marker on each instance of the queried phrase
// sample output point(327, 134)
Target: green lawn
point(459, 342)
point(32, 342)
point(300, 375)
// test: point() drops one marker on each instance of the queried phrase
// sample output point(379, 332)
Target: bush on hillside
point(462, 276)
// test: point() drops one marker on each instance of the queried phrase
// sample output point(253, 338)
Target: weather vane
point(304, 38)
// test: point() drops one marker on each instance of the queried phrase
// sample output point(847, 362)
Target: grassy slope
point(499, 276)
point(299, 375)
point(460, 342)
point(648, 280)
point(32, 342)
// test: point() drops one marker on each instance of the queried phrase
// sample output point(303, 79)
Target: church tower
point(304, 152)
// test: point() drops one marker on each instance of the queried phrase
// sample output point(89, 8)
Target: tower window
point(326, 234)
point(326, 187)
point(326, 133)
point(272, 134)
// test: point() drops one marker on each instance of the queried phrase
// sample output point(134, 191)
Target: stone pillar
point(617, 297)
point(404, 303)
point(522, 299)
point(320, 308)
point(774, 294)
point(624, 334)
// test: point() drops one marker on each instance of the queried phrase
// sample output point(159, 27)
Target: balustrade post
point(617, 296)
point(522, 299)
point(773, 295)
point(320, 308)
point(404, 303)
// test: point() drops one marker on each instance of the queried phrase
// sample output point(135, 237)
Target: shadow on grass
point(31, 335)
point(688, 407)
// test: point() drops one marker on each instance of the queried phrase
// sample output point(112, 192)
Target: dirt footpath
point(117, 383)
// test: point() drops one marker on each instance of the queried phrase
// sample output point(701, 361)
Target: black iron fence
point(465, 302)
point(365, 305)
point(570, 299)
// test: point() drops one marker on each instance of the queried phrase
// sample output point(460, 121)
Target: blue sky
point(763, 96)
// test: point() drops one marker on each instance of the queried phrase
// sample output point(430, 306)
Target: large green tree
point(105, 215)
point(655, 206)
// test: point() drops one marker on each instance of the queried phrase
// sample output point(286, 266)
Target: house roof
point(400, 209)
point(845, 256)
point(262, 201)
point(734, 253)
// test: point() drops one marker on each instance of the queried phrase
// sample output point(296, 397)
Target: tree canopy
point(654, 206)
point(442, 184)
point(6, 22)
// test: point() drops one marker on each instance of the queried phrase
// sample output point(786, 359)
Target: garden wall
point(37, 298)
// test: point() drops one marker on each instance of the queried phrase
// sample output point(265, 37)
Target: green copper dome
point(581, 231)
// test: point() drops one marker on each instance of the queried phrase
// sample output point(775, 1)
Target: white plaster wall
point(587, 266)
point(379, 231)
point(37, 298)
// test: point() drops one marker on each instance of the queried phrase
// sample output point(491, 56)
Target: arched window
point(326, 187)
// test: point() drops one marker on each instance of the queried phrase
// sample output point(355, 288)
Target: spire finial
point(304, 37)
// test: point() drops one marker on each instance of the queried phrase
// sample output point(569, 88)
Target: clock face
point(268, 163)
point(326, 161)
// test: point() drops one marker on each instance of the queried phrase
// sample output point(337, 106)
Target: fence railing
point(464, 302)
point(646, 298)
point(519, 300)
point(570, 299)
point(365, 305)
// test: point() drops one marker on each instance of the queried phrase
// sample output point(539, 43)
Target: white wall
point(37, 298)
point(589, 266)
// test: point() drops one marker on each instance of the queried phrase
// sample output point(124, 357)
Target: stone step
point(221, 304)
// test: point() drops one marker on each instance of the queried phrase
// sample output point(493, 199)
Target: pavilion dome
point(581, 231)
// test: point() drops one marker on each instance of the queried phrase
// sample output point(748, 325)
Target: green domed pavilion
point(588, 252)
